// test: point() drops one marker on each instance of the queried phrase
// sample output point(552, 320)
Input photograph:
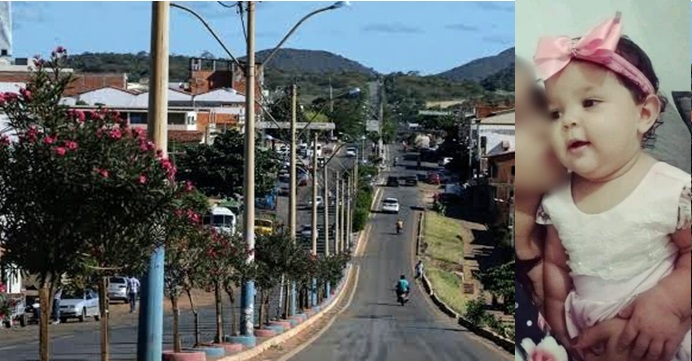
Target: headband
point(597, 46)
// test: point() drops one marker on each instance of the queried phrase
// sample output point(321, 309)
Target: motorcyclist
point(402, 287)
point(399, 225)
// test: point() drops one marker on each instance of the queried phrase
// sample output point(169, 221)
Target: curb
point(277, 340)
point(504, 343)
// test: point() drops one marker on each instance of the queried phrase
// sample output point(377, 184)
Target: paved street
point(374, 327)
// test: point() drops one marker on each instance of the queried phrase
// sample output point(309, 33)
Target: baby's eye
point(588, 103)
point(554, 115)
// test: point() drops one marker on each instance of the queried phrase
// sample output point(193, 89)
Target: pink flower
point(26, 94)
point(103, 172)
point(4, 140)
point(60, 50)
point(189, 187)
point(137, 132)
point(49, 140)
point(71, 145)
point(115, 134)
point(151, 146)
point(2, 99)
point(142, 179)
point(60, 151)
point(3, 289)
point(80, 115)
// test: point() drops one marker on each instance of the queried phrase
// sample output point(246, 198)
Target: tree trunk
point(196, 315)
point(219, 315)
point(281, 296)
point(261, 308)
point(45, 298)
point(289, 295)
point(265, 304)
point(103, 311)
point(234, 321)
point(177, 346)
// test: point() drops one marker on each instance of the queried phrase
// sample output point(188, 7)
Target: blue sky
point(429, 37)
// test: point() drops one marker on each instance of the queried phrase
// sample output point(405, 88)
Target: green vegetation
point(444, 249)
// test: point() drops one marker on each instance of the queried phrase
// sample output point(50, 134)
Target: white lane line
point(319, 334)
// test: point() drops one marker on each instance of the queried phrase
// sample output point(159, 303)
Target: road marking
point(360, 248)
point(319, 334)
point(7, 348)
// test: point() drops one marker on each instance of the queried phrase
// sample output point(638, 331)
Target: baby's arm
point(557, 284)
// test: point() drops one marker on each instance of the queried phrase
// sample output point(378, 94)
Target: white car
point(318, 201)
point(306, 232)
point(117, 289)
point(351, 152)
point(80, 306)
point(390, 205)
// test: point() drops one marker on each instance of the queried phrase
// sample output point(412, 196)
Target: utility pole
point(344, 227)
point(293, 193)
point(337, 212)
point(313, 233)
point(380, 150)
point(325, 202)
point(150, 330)
point(247, 324)
point(349, 216)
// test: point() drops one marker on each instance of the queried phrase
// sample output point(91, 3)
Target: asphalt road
point(375, 327)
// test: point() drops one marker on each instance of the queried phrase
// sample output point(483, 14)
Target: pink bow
point(597, 46)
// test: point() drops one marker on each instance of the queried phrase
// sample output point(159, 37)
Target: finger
point(626, 312)
point(655, 351)
point(669, 350)
point(640, 346)
point(627, 337)
point(593, 336)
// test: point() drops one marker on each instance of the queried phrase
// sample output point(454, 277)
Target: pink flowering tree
point(81, 192)
point(185, 251)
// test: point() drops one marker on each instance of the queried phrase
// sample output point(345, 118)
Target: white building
point(495, 136)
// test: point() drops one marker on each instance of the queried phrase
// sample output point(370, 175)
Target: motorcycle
point(399, 227)
point(402, 297)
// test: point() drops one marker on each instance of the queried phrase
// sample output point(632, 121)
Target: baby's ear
point(650, 110)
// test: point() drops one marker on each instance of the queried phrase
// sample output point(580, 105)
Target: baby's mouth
point(575, 145)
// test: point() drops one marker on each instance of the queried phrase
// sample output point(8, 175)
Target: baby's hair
point(636, 56)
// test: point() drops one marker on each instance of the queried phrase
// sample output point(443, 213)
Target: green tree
point(81, 193)
point(499, 282)
point(218, 169)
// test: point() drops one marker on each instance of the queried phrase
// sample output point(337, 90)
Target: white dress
point(622, 252)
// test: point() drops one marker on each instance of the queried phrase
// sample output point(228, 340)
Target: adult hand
point(599, 343)
point(654, 330)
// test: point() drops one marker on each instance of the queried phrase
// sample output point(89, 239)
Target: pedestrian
point(57, 296)
point(419, 269)
point(132, 291)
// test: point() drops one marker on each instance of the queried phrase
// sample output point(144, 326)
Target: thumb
point(592, 336)
point(626, 313)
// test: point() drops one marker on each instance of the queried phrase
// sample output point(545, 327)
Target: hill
point(481, 68)
point(313, 61)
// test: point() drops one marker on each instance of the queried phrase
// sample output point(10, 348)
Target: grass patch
point(448, 287)
point(442, 236)
point(445, 252)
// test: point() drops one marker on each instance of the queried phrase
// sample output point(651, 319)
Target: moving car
point(79, 305)
point(410, 181)
point(392, 181)
point(390, 205)
point(117, 289)
point(318, 201)
point(351, 152)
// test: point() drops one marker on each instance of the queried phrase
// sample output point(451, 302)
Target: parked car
point(306, 231)
point(392, 181)
point(390, 205)
point(283, 184)
point(351, 152)
point(117, 289)
point(79, 305)
point(318, 201)
point(410, 181)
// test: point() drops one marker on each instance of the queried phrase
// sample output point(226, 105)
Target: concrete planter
point(169, 355)
point(285, 324)
point(211, 351)
point(278, 328)
point(230, 347)
point(265, 333)
point(246, 341)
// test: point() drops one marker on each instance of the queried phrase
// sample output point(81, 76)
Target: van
point(222, 219)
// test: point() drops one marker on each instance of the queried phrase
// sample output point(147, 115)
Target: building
point(501, 181)
point(495, 134)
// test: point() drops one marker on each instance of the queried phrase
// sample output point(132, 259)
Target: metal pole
point(349, 216)
point(293, 193)
point(337, 212)
point(150, 330)
point(313, 233)
point(344, 227)
point(247, 324)
point(325, 209)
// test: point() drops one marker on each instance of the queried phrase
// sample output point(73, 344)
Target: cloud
point(499, 39)
point(496, 6)
point(462, 27)
point(392, 29)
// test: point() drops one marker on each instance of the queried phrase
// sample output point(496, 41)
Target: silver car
point(117, 290)
point(80, 305)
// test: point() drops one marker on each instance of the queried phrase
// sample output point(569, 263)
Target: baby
point(618, 238)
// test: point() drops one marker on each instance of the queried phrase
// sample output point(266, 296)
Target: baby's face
point(537, 168)
point(595, 120)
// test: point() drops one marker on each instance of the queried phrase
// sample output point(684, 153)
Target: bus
point(222, 219)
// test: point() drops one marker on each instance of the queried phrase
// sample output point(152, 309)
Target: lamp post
point(150, 331)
